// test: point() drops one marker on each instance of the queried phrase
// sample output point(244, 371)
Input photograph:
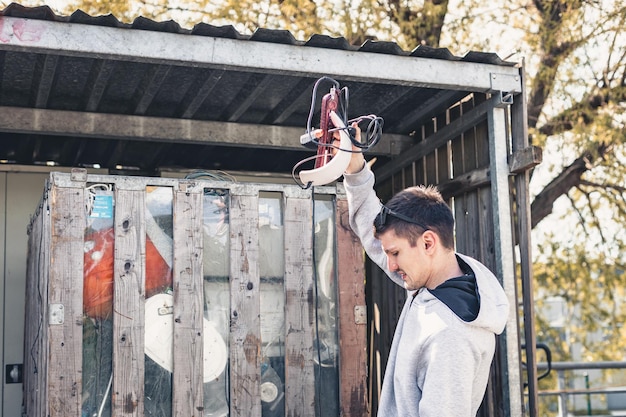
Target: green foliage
point(419, 25)
point(588, 288)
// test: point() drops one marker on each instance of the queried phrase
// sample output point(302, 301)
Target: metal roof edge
point(276, 36)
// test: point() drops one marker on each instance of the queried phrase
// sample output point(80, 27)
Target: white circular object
point(159, 338)
point(269, 392)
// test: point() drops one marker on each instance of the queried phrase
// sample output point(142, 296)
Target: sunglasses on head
point(385, 211)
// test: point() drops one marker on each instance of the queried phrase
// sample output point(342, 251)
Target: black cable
point(369, 138)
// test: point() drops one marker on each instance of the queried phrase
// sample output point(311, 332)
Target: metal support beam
point(519, 131)
point(71, 39)
point(504, 244)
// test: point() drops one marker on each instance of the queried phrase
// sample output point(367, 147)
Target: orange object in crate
point(98, 277)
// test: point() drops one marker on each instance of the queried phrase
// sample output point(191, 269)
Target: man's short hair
point(422, 208)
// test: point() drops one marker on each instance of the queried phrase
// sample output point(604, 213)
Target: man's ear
point(430, 238)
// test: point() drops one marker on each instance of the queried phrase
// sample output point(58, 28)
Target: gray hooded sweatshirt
point(439, 363)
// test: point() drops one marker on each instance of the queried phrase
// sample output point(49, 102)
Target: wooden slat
point(526, 159)
point(299, 322)
point(65, 294)
point(433, 140)
point(351, 302)
point(469, 218)
point(482, 137)
point(245, 334)
point(460, 220)
point(128, 388)
point(457, 145)
point(464, 183)
point(420, 165)
point(128, 303)
point(466, 205)
point(486, 233)
point(36, 334)
point(443, 153)
point(430, 160)
point(32, 309)
point(188, 308)
point(469, 142)
point(407, 176)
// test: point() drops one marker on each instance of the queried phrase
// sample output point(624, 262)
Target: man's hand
point(357, 161)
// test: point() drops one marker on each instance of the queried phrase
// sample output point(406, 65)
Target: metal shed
point(149, 98)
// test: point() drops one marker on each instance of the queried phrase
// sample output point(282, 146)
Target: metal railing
point(563, 392)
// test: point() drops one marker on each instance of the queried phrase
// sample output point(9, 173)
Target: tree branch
point(579, 213)
point(584, 111)
point(593, 213)
point(570, 177)
point(422, 25)
point(615, 187)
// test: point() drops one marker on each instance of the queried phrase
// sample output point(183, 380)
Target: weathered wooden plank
point(470, 161)
point(482, 136)
point(456, 144)
point(352, 317)
point(299, 309)
point(128, 389)
point(36, 334)
point(465, 183)
point(434, 140)
point(407, 176)
point(420, 167)
point(65, 294)
point(188, 307)
point(430, 159)
point(486, 234)
point(42, 312)
point(32, 309)
point(525, 159)
point(128, 303)
point(245, 334)
point(465, 204)
point(443, 153)
point(460, 226)
point(472, 213)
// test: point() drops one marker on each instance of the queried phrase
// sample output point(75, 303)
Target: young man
point(444, 341)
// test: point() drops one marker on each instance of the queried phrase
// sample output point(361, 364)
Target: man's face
point(410, 262)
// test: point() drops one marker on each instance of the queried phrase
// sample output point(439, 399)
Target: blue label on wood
point(102, 207)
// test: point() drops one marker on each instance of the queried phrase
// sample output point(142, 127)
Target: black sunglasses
point(385, 211)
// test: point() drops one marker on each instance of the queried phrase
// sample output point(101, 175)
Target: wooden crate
point(316, 293)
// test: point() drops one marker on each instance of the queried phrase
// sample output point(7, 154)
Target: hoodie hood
point(494, 304)
point(460, 294)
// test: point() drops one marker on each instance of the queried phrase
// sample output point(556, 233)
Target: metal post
point(562, 395)
point(588, 395)
point(519, 130)
point(504, 244)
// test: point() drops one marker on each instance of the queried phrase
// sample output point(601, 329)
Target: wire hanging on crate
point(331, 160)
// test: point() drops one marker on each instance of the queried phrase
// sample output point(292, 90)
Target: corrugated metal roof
point(194, 105)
